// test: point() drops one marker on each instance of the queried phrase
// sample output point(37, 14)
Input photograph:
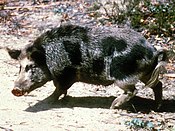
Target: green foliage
point(157, 17)
point(137, 123)
point(149, 125)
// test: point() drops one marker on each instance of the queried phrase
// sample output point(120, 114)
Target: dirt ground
point(86, 107)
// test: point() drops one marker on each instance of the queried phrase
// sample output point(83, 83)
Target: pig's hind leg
point(156, 85)
point(129, 92)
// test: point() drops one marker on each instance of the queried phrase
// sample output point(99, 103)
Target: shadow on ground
point(70, 102)
point(136, 104)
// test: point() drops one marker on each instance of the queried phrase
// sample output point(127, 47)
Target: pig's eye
point(28, 67)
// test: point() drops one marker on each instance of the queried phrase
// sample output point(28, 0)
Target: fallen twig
point(6, 129)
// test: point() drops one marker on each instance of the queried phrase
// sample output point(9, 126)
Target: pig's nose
point(17, 92)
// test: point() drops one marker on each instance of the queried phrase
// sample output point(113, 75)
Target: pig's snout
point(17, 92)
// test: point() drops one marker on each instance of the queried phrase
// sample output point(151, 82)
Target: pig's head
point(33, 71)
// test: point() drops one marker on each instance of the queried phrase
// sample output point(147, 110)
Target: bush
point(157, 17)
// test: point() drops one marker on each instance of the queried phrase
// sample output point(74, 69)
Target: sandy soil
point(86, 107)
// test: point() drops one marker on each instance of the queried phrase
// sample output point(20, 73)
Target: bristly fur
point(99, 55)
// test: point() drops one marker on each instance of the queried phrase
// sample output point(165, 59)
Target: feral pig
point(100, 56)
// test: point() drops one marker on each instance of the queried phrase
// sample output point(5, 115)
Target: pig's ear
point(38, 57)
point(13, 53)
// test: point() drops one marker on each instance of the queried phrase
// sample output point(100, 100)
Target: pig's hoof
point(115, 106)
point(116, 103)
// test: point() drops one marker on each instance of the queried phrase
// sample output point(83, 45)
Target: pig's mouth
point(18, 92)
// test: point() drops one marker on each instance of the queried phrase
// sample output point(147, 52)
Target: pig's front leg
point(55, 96)
point(63, 82)
point(60, 90)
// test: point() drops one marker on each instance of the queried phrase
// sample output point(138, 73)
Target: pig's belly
point(96, 79)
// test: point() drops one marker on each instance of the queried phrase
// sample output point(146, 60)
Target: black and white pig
point(100, 56)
